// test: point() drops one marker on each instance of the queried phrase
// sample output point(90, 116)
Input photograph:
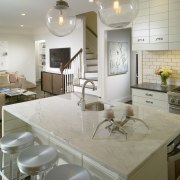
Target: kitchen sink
point(95, 106)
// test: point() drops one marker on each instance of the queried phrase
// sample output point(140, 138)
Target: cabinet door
point(46, 82)
point(174, 25)
point(58, 84)
point(140, 32)
point(159, 23)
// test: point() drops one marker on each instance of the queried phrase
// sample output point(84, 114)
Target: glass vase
point(164, 81)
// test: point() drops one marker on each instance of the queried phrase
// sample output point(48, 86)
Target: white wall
point(21, 53)
point(112, 87)
point(75, 41)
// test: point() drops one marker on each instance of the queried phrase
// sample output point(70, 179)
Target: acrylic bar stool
point(12, 144)
point(36, 160)
point(68, 172)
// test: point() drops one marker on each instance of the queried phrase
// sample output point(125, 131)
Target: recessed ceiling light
point(23, 14)
point(22, 25)
point(91, 0)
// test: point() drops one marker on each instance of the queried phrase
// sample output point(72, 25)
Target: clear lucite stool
point(68, 172)
point(36, 160)
point(12, 144)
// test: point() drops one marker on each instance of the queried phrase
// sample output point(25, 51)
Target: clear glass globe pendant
point(117, 13)
point(59, 20)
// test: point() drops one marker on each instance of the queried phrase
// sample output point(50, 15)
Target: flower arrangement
point(164, 72)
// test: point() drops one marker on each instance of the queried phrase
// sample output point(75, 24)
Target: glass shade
point(117, 13)
point(60, 22)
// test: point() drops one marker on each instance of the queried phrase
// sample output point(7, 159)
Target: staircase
point(91, 73)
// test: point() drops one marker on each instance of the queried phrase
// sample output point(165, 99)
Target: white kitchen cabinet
point(140, 30)
point(174, 24)
point(150, 98)
point(157, 26)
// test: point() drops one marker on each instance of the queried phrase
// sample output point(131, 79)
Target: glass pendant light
point(59, 19)
point(117, 13)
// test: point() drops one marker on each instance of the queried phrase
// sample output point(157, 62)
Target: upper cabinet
point(174, 24)
point(157, 27)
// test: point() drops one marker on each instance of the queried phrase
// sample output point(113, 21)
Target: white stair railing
point(72, 71)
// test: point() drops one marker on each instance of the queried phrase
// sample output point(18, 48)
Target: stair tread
point(93, 78)
point(87, 86)
point(91, 71)
point(91, 64)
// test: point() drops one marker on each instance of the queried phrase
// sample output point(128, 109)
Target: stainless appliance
point(174, 100)
point(173, 150)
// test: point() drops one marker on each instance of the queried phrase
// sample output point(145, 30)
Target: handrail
point(72, 59)
point(88, 28)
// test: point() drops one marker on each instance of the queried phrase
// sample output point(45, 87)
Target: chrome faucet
point(82, 102)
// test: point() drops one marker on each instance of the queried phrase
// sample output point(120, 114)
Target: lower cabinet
point(150, 98)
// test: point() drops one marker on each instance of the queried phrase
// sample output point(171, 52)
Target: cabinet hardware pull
point(159, 39)
point(147, 94)
point(140, 39)
point(150, 102)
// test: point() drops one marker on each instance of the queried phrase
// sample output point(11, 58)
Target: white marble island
point(61, 122)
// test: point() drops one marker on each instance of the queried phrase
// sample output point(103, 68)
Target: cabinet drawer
point(150, 102)
point(159, 39)
point(150, 94)
point(141, 40)
point(98, 172)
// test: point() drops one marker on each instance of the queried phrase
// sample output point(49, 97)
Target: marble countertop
point(154, 87)
point(62, 118)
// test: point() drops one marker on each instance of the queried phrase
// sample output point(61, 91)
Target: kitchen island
point(59, 121)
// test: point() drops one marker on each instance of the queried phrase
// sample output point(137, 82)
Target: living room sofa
point(11, 80)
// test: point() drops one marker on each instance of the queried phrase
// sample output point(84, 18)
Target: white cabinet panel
point(174, 30)
point(174, 6)
point(159, 24)
point(174, 14)
point(154, 3)
point(159, 32)
point(159, 17)
point(143, 19)
point(141, 33)
point(174, 25)
point(159, 9)
point(143, 26)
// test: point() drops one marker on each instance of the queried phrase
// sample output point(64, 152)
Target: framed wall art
point(117, 58)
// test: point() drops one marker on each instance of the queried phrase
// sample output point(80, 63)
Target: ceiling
point(11, 10)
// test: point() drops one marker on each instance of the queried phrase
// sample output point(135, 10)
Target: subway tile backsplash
point(155, 59)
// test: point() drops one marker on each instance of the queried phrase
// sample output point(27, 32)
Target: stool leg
point(10, 168)
point(18, 174)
